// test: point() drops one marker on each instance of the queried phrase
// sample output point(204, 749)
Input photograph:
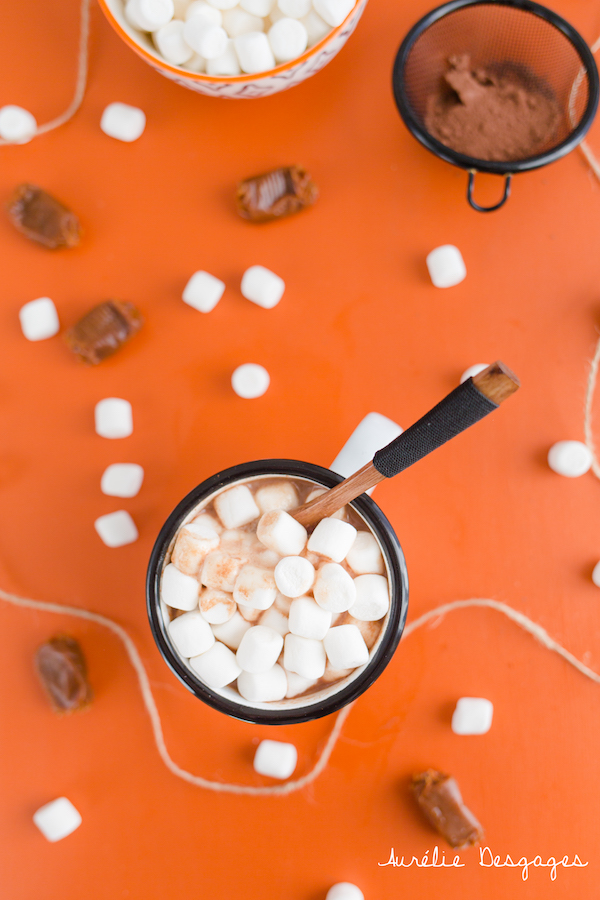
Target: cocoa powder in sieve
point(491, 115)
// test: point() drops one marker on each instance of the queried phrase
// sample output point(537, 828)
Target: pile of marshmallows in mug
point(225, 580)
point(227, 37)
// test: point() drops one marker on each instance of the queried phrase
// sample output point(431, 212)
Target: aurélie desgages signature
point(487, 860)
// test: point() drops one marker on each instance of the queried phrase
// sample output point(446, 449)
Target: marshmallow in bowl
point(238, 21)
point(205, 38)
point(192, 35)
point(149, 15)
point(333, 11)
point(170, 43)
point(288, 39)
point(225, 64)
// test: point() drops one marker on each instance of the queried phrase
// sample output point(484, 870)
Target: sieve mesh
point(507, 39)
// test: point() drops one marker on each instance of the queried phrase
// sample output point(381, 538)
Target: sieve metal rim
point(472, 163)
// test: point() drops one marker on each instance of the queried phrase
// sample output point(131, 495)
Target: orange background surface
point(360, 328)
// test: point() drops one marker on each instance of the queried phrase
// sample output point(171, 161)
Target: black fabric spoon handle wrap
point(456, 412)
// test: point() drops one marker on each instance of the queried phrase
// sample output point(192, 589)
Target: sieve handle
point(475, 205)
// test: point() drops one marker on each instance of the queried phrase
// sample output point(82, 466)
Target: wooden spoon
point(464, 406)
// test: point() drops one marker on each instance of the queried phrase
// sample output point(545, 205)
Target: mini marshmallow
point(39, 319)
point(250, 614)
point(446, 265)
point(57, 819)
point(205, 518)
point(472, 371)
point(216, 667)
point(236, 506)
point(194, 543)
point(304, 656)
point(273, 618)
point(473, 715)
point(17, 125)
point(316, 28)
point(345, 647)
point(294, 576)
point(259, 649)
point(344, 890)
point(295, 9)
point(149, 15)
point(237, 21)
point(205, 38)
point(259, 284)
point(116, 529)
point(282, 604)
point(275, 758)
point(333, 11)
point(196, 64)
point(308, 620)
point(369, 630)
point(296, 684)
point(191, 634)
point(260, 8)
point(216, 606)
point(239, 543)
point(113, 418)
point(277, 496)
point(334, 589)
point(255, 587)
point(288, 39)
point(332, 538)
point(178, 590)
point(220, 570)
point(261, 687)
point(123, 122)
point(231, 632)
point(214, 15)
point(228, 64)
point(569, 458)
point(260, 556)
point(339, 514)
point(203, 291)
point(122, 480)
point(250, 380)
point(364, 556)
point(596, 574)
point(370, 435)
point(278, 531)
point(372, 598)
point(169, 42)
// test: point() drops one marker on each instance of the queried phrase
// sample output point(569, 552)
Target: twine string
point(587, 415)
point(519, 618)
point(80, 81)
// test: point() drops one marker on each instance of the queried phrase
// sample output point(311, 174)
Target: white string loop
point(81, 79)
point(527, 624)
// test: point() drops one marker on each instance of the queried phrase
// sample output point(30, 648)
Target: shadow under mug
point(334, 696)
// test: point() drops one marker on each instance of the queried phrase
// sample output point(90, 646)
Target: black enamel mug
point(333, 696)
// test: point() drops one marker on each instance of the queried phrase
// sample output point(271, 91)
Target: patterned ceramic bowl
point(239, 86)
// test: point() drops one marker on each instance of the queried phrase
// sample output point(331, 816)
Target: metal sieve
point(541, 48)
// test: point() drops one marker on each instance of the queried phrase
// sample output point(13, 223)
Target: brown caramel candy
point(60, 663)
point(439, 798)
point(42, 218)
point(103, 330)
point(276, 194)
